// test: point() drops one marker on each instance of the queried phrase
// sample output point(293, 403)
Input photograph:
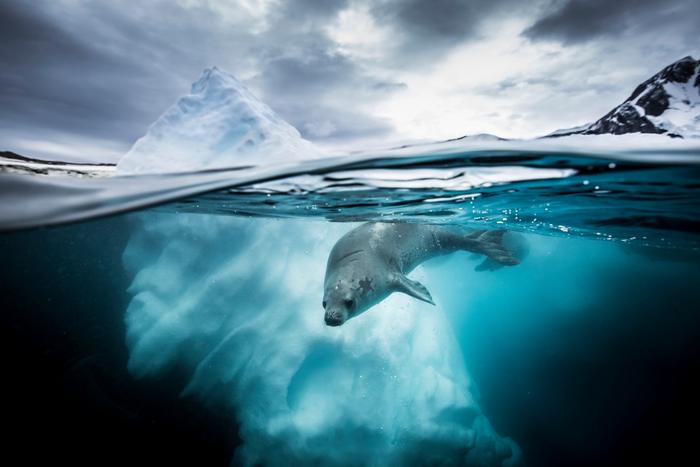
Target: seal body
point(371, 261)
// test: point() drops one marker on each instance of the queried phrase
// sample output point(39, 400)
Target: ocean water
point(177, 318)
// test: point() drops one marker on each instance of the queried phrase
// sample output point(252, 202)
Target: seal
point(371, 262)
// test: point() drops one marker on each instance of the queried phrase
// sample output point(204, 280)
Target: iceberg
point(237, 304)
point(219, 124)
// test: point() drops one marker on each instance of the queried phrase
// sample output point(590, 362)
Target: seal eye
point(324, 304)
point(349, 303)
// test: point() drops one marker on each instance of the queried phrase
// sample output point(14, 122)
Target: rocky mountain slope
point(667, 103)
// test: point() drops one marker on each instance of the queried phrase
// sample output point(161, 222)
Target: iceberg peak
point(215, 78)
point(220, 123)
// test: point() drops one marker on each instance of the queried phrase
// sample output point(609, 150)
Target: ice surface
point(457, 179)
point(568, 131)
point(237, 303)
point(630, 146)
point(219, 124)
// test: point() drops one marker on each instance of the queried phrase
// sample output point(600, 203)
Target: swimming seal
point(371, 261)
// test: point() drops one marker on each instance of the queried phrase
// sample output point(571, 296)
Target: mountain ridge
point(667, 103)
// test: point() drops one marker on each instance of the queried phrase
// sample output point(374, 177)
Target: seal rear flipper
point(413, 288)
point(491, 245)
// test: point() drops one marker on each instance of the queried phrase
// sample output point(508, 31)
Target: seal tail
point(498, 253)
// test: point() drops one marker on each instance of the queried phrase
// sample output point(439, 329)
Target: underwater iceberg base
point(237, 303)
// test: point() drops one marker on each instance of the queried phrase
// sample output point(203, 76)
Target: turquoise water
point(192, 331)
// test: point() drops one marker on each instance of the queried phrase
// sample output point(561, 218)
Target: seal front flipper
point(488, 265)
point(415, 289)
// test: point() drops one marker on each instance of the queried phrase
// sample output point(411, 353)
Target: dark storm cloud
point(583, 20)
point(93, 72)
point(312, 73)
point(432, 19)
point(313, 90)
point(38, 76)
point(426, 29)
point(307, 9)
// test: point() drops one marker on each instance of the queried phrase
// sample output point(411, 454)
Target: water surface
point(191, 330)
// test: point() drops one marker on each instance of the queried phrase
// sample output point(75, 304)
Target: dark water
point(192, 332)
point(69, 396)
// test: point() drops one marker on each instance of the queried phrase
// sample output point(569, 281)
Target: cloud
point(39, 78)
point(92, 73)
point(428, 29)
point(322, 93)
point(96, 71)
point(338, 124)
point(432, 19)
point(576, 21)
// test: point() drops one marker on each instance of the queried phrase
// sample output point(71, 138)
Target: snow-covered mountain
point(667, 103)
point(220, 123)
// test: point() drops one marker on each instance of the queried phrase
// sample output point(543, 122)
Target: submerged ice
point(237, 303)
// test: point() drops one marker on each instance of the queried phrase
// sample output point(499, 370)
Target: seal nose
point(333, 319)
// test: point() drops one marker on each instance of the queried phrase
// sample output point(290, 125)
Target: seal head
point(339, 305)
point(349, 293)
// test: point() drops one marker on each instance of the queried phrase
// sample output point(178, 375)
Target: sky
point(83, 79)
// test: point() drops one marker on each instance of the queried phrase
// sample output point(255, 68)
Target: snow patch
point(683, 114)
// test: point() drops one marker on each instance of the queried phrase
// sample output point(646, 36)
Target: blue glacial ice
point(237, 303)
